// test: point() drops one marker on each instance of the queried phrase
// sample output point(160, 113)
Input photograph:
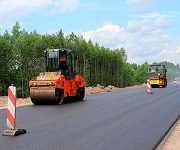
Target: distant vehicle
point(157, 73)
point(59, 81)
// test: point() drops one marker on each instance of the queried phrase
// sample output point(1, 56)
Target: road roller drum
point(43, 95)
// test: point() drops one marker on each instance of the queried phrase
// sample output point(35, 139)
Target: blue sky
point(149, 30)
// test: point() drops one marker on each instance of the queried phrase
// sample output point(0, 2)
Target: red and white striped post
point(11, 110)
point(149, 87)
point(175, 82)
point(11, 114)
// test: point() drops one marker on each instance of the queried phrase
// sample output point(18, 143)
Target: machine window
point(53, 59)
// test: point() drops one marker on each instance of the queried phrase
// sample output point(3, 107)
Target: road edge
point(167, 134)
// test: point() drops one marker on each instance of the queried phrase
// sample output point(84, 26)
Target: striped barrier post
point(149, 87)
point(11, 110)
point(11, 114)
point(175, 82)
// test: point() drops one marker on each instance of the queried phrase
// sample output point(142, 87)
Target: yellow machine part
point(158, 82)
point(154, 82)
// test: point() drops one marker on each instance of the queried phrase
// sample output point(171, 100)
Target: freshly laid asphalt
point(122, 120)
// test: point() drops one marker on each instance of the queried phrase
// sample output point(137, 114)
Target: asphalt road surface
point(123, 120)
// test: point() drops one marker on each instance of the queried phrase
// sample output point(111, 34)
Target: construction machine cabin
point(59, 81)
point(157, 73)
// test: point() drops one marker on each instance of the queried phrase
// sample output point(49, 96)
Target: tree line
point(22, 58)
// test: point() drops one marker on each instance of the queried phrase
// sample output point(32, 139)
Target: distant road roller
point(157, 73)
point(60, 81)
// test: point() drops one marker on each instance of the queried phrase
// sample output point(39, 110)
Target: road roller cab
point(60, 80)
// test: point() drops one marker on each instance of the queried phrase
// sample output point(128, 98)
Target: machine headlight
point(34, 84)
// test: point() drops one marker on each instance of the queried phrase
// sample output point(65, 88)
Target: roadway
point(122, 120)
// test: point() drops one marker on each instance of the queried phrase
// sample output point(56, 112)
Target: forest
point(22, 58)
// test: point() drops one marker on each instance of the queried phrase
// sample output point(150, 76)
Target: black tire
point(81, 93)
point(59, 97)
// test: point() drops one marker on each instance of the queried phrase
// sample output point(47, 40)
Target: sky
point(149, 30)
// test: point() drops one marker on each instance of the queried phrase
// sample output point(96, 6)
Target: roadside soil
point(173, 141)
point(89, 91)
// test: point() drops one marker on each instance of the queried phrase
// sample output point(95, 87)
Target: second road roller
point(158, 77)
point(59, 81)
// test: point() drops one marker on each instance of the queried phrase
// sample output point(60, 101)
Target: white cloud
point(141, 40)
point(161, 22)
point(13, 10)
point(59, 6)
point(178, 50)
point(135, 4)
point(142, 27)
point(157, 19)
point(169, 14)
point(106, 36)
point(147, 26)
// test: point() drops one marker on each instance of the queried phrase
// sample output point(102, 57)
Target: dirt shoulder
point(89, 91)
point(173, 141)
point(19, 101)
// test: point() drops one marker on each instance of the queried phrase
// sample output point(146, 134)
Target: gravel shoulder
point(89, 91)
point(173, 141)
